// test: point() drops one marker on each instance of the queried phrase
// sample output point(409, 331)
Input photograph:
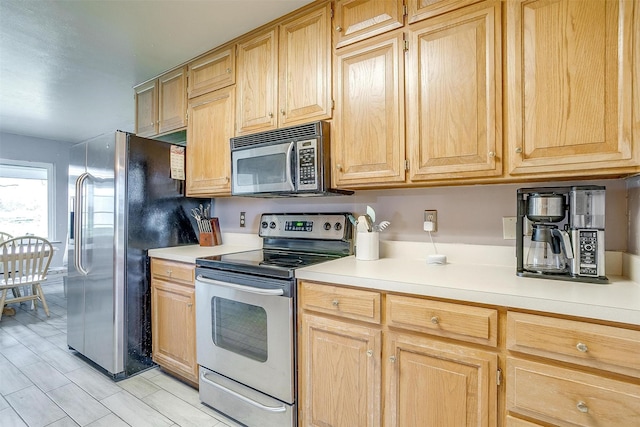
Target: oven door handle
point(203, 377)
point(250, 289)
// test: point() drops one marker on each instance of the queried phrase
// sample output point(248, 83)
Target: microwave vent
point(293, 133)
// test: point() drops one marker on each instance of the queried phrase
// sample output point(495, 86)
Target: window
point(27, 198)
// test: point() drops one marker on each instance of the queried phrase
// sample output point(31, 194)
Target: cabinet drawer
point(604, 347)
point(517, 422)
point(462, 322)
point(172, 271)
point(339, 301)
point(566, 397)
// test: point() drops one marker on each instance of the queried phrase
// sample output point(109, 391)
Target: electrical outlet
point(509, 227)
point(243, 219)
point(432, 216)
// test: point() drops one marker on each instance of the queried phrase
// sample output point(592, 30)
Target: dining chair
point(25, 261)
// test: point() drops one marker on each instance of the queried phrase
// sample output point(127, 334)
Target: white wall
point(18, 147)
point(466, 214)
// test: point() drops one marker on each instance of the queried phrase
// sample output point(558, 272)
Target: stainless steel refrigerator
point(123, 202)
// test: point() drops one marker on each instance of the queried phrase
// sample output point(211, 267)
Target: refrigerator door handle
point(77, 224)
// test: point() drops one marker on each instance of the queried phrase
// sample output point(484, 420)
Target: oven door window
point(240, 328)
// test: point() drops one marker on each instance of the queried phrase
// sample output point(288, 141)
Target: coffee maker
point(560, 233)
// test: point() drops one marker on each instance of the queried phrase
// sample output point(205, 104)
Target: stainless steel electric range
point(246, 316)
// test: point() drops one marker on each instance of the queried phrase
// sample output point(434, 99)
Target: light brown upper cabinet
point(161, 104)
point(211, 125)
point(368, 139)
point(418, 10)
point(570, 72)
point(212, 71)
point(454, 97)
point(357, 20)
point(284, 74)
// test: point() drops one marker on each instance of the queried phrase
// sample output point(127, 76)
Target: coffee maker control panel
point(588, 252)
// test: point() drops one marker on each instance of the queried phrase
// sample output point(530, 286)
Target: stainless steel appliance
point(567, 241)
point(246, 316)
point(124, 202)
point(285, 162)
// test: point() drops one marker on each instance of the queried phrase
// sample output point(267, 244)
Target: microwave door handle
point(290, 165)
point(250, 289)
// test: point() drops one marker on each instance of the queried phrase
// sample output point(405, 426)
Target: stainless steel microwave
point(285, 162)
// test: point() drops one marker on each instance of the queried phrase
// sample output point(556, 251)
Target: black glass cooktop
point(264, 261)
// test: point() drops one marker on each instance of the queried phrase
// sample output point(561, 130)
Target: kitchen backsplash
point(466, 214)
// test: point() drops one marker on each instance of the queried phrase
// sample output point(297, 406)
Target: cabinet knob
point(339, 167)
point(169, 272)
point(519, 150)
point(228, 70)
point(282, 111)
point(582, 347)
point(492, 154)
point(271, 115)
point(152, 123)
point(392, 359)
point(582, 407)
point(338, 28)
point(435, 320)
point(369, 353)
point(335, 302)
point(190, 305)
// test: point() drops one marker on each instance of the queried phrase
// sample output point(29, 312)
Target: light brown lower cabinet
point(173, 319)
point(364, 373)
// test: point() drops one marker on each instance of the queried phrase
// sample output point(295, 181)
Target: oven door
point(246, 333)
point(265, 169)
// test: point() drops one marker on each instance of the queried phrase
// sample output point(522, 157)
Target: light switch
point(509, 227)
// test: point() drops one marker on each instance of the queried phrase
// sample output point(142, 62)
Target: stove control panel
point(327, 226)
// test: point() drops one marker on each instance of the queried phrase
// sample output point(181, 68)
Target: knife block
point(214, 238)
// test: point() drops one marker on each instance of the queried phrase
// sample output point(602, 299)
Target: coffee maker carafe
point(567, 233)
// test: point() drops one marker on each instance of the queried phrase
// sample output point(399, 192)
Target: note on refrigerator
point(177, 162)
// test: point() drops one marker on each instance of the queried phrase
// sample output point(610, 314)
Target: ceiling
point(67, 67)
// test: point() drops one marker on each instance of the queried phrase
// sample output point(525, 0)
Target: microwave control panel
point(307, 156)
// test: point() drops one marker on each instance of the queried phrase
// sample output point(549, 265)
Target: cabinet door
point(211, 124)
point(305, 68)
point(173, 328)
point(172, 100)
point(339, 379)
point(357, 20)
point(569, 91)
point(213, 71)
point(431, 383)
point(454, 95)
point(368, 134)
point(418, 10)
point(257, 83)
point(146, 98)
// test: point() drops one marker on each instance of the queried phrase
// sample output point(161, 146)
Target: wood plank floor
point(43, 383)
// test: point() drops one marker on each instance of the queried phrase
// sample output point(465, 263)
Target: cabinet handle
point(169, 273)
point(152, 123)
point(282, 111)
point(492, 154)
point(335, 302)
point(190, 305)
point(338, 28)
point(519, 150)
point(582, 407)
point(392, 359)
point(369, 353)
point(435, 320)
point(271, 115)
point(582, 347)
point(228, 70)
point(339, 167)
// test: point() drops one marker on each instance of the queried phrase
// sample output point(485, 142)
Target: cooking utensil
point(381, 226)
point(371, 213)
point(362, 224)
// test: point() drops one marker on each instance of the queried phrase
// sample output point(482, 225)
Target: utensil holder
point(367, 245)
point(213, 238)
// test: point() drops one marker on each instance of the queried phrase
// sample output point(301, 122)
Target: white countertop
point(408, 272)
point(231, 242)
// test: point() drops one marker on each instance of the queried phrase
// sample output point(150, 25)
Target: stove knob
point(338, 226)
point(327, 226)
point(264, 224)
point(272, 224)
